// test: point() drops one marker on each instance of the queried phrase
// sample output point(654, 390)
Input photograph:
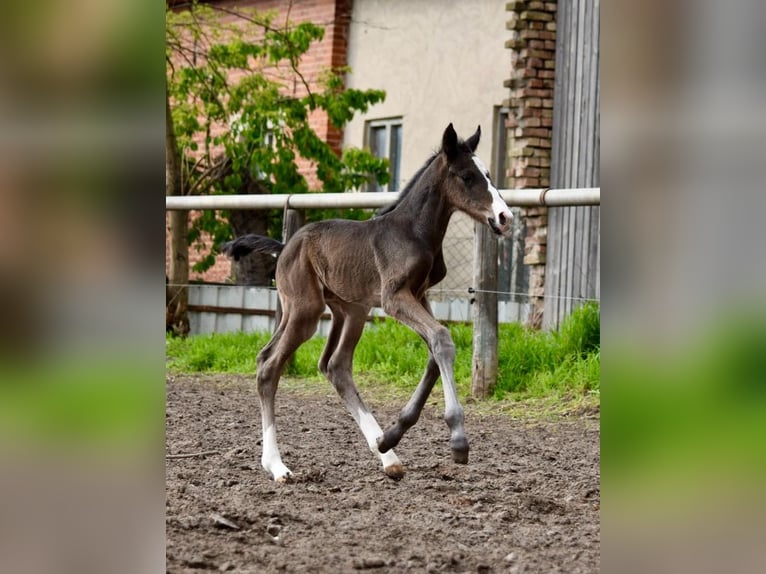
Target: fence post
point(484, 371)
point(291, 222)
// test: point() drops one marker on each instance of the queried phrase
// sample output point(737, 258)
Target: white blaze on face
point(500, 211)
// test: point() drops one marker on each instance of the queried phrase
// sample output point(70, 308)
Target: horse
point(388, 261)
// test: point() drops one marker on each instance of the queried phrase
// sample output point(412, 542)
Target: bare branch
point(261, 23)
point(284, 32)
point(211, 174)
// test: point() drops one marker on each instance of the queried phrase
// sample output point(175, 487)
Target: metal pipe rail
point(513, 197)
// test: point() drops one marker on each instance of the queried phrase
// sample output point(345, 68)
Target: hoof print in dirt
point(314, 475)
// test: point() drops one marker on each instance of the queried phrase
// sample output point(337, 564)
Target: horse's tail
point(246, 244)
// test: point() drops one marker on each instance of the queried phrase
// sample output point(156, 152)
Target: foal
point(388, 261)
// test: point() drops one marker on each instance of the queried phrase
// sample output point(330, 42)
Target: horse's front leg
point(405, 308)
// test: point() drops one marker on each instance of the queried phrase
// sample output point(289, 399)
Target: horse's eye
point(467, 178)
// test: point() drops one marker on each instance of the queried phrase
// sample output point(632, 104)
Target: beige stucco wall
point(438, 61)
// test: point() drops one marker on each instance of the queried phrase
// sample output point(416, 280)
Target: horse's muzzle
point(502, 225)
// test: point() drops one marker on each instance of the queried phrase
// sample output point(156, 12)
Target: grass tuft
point(536, 363)
point(580, 333)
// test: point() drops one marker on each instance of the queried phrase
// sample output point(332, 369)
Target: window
point(384, 138)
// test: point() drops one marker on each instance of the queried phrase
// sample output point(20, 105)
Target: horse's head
point(468, 185)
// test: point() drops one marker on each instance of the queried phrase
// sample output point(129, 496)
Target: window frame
point(391, 150)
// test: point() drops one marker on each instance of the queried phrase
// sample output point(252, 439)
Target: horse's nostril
point(502, 219)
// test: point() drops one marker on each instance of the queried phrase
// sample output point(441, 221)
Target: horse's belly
point(361, 290)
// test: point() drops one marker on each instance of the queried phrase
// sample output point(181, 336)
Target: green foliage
point(240, 109)
point(531, 363)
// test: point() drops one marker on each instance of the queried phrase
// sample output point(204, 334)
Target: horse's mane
point(415, 178)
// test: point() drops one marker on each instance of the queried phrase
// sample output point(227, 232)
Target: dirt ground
point(528, 501)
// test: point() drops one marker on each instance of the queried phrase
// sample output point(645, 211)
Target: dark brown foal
point(389, 261)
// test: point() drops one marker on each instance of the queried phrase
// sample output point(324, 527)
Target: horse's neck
point(424, 211)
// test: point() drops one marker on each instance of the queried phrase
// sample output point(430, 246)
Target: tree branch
point(283, 32)
point(209, 175)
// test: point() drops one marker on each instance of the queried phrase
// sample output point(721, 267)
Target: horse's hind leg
point(336, 364)
point(297, 326)
point(410, 414)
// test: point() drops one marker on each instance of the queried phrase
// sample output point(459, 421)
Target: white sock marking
point(271, 459)
point(371, 431)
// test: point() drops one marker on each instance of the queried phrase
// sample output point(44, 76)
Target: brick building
point(334, 16)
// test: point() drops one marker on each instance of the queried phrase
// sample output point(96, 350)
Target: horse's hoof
point(459, 446)
point(395, 471)
point(460, 456)
point(284, 479)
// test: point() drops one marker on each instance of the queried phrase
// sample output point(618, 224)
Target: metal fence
point(221, 308)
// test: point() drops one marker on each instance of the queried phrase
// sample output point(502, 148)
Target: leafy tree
point(240, 110)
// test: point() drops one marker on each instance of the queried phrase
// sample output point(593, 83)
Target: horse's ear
point(449, 142)
point(473, 141)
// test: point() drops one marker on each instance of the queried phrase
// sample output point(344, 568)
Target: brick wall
point(532, 43)
point(335, 17)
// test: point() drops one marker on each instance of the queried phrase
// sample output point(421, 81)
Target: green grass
point(532, 364)
point(536, 363)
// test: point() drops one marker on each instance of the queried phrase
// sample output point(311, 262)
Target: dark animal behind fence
point(389, 261)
